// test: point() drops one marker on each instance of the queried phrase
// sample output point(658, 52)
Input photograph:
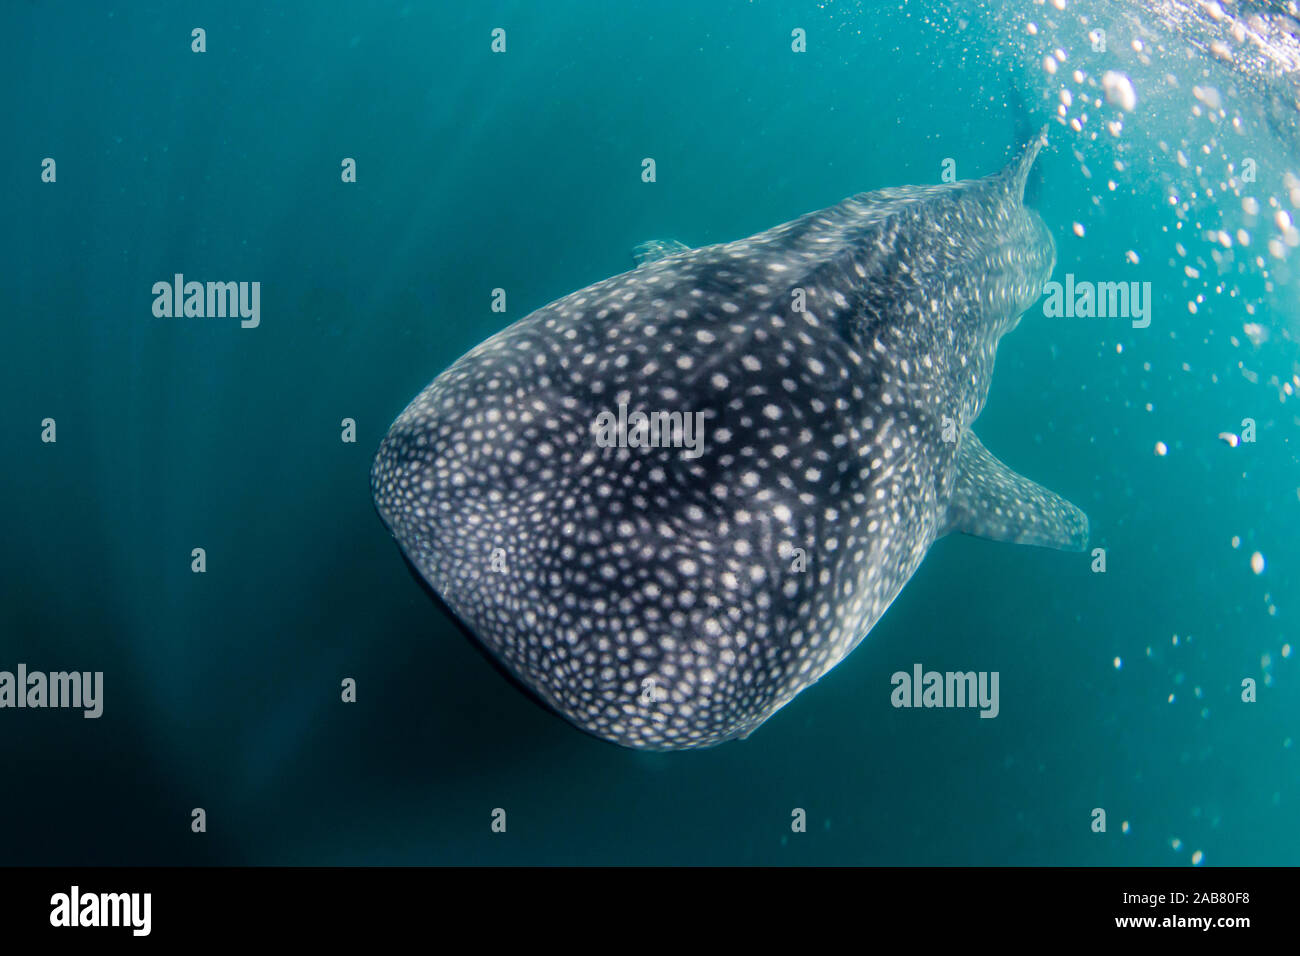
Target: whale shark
point(666, 595)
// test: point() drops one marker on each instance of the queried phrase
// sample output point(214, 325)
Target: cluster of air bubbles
point(1187, 97)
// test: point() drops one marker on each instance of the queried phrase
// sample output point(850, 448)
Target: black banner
point(181, 905)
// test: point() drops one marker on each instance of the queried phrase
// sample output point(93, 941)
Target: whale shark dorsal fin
point(657, 249)
point(990, 500)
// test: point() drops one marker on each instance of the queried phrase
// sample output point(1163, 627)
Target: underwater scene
point(659, 433)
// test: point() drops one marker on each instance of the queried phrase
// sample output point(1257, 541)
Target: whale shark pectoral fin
point(990, 500)
point(657, 249)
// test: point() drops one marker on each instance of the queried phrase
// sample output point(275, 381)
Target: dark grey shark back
point(678, 595)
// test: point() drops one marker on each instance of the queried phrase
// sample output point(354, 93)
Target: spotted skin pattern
point(663, 602)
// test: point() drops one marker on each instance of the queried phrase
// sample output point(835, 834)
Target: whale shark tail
point(1026, 127)
point(990, 500)
point(1015, 175)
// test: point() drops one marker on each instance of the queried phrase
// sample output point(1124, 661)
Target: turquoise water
point(475, 171)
